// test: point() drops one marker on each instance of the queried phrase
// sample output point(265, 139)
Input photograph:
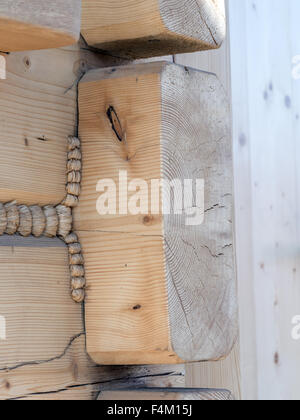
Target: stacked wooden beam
point(161, 285)
point(128, 29)
point(140, 28)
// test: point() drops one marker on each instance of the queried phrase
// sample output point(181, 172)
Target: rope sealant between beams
point(53, 221)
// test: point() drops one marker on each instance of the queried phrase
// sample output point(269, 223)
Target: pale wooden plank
point(38, 24)
point(266, 154)
point(243, 216)
point(139, 29)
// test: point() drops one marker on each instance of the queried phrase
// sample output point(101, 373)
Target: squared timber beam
point(38, 24)
point(169, 394)
point(145, 28)
point(160, 286)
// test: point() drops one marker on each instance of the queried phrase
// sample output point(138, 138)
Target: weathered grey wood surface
point(196, 144)
point(38, 24)
point(161, 394)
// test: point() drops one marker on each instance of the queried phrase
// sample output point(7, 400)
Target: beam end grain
point(170, 122)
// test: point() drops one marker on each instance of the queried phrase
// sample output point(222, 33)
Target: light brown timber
point(140, 28)
point(157, 289)
point(38, 24)
point(37, 114)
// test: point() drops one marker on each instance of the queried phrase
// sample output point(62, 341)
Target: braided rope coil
point(76, 260)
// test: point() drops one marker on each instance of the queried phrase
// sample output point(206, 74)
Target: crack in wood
point(124, 380)
point(40, 362)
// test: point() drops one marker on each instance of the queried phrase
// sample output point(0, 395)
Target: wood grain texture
point(138, 29)
point(160, 394)
point(184, 281)
point(126, 311)
point(196, 144)
point(37, 114)
point(38, 24)
point(44, 354)
point(26, 272)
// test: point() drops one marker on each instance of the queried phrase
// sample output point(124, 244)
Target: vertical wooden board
point(139, 29)
point(38, 24)
point(266, 155)
point(37, 113)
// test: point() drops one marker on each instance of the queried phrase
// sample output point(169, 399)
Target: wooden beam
point(161, 394)
point(154, 27)
point(158, 290)
point(38, 24)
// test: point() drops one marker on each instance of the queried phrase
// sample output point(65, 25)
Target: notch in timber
point(115, 123)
